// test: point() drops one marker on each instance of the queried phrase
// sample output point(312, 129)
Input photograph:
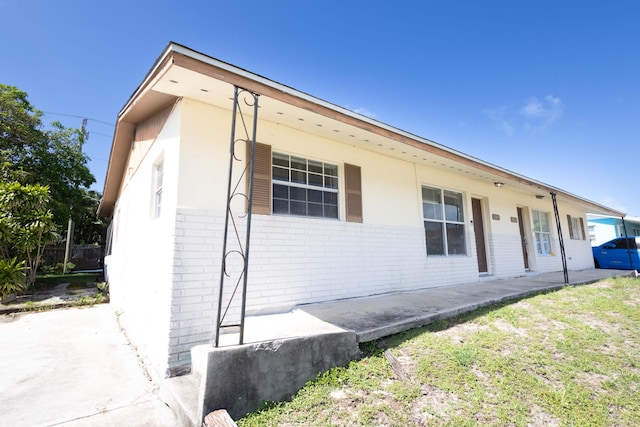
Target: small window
point(542, 232)
point(443, 222)
point(576, 228)
point(304, 187)
point(158, 173)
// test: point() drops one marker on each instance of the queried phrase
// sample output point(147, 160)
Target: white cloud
point(497, 115)
point(538, 115)
point(541, 114)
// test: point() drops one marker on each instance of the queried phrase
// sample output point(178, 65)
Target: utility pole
point(83, 129)
point(69, 246)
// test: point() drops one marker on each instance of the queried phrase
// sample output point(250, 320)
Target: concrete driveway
point(74, 367)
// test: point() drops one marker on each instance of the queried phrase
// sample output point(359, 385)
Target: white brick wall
point(506, 255)
point(194, 278)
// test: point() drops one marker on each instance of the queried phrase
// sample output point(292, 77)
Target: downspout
point(626, 239)
point(562, 253)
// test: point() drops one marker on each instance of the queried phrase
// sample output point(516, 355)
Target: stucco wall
point(165, 272)
point(140, 265)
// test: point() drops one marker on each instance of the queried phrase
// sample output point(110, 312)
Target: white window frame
point(308, 177)
point(436, 213)
point(542, 235)
point(158, 178)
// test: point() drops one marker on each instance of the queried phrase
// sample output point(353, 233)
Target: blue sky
point(548, 89)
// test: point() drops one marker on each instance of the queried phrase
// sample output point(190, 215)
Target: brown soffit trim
point(116, 167)
point(290, 96)
point(176, 54)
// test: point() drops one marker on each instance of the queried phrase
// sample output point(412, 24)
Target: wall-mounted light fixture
point(499, 184)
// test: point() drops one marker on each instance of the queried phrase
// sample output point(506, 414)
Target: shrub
point(12, 276)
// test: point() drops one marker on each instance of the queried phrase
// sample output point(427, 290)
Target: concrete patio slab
point(74, 367)
point(375, 317)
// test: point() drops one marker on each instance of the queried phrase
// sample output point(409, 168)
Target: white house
point(605, 228)
point(344, 206)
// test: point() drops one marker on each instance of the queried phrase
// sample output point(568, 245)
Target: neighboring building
point(605, 228)
point(344, 207)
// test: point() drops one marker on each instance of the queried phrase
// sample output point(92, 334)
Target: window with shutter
point(304, 187)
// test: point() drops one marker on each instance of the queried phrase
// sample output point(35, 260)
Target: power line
point(78, 117)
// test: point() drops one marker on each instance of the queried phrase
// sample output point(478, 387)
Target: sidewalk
point(74, 367)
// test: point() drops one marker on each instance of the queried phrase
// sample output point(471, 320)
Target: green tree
point(89, 227)
point(51, 157)
point(26, 225)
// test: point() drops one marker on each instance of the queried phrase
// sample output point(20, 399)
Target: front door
point(523, 238)
point(478, 228)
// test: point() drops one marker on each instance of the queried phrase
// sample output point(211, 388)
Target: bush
point(12, 276)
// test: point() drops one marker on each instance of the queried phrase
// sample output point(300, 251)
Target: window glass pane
point(298, 208)
point(158, 204)
point(281, 160)
point(280, 174)
point(544, 222)
point(434, 236)
point(315, 209)
point(432, 203)
point(453, 206)
point(280, 191)
point(455, 239)
point(298, 177)
point(543, 243)
point(159, 173)
point(330, 198)
point(575, 230)
point(315, 166)
point(298, 163)
point(546, 243)
point(331, 170)
point(330, 182)
point(298, 194)
point(315, 196)
point(280, 206)
point(315, 179)
point(330, 211)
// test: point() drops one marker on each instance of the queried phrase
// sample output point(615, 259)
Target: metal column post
point(626, 239)
point(562, 253)
point(234, 246)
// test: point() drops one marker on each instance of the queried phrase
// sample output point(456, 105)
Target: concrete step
point(182, 394)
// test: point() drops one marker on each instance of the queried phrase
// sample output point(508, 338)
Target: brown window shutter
point(353, 197)
point(261, 179)
point(570, 227)
point(584, 236)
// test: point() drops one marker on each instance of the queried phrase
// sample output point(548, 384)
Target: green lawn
point(45, 281)
point(567, 358)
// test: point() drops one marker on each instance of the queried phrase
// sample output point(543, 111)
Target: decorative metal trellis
point(562, 252)
point(237, 227)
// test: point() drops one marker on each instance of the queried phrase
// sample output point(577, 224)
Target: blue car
point(621, 253)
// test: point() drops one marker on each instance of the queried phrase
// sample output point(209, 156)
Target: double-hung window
point(304, 187)
point(542, 232)
point(158, 172)
point(576, 228)
point(443, 222)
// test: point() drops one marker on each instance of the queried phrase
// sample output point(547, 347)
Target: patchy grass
point(566, 358)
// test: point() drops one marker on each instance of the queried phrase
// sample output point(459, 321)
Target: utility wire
point(78, 117)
